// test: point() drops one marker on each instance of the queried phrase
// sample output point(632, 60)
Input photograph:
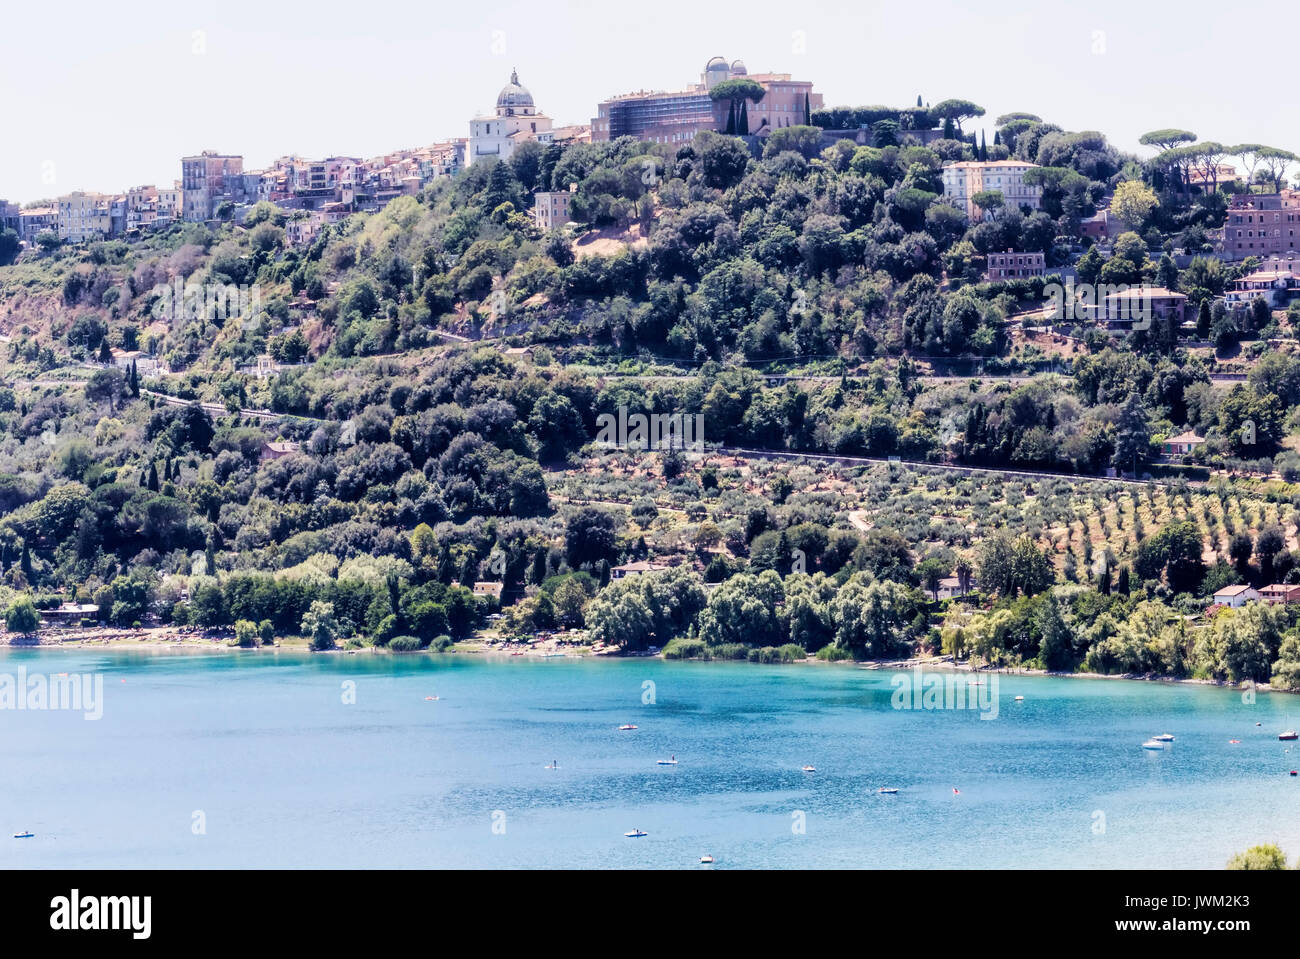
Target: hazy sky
point(105, 96)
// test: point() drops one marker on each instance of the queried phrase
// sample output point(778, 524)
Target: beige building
point(963, 181)
point(84, 216)
point(1012, 265)
point(1262, 225)
point(551, 210)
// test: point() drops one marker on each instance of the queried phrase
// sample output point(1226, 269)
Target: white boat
point(706, 859)
point(667, 762)
point(1163, 738)
point(887, 791)
point(1288, 735)
point(627, 726)
point(810, 769)
point(635, 834)
point(24, 835)
point(1020, 699)
point(1152, 744)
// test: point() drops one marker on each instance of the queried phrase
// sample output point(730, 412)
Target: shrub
point(404, 644)
point(682, 648)
point(833, 654)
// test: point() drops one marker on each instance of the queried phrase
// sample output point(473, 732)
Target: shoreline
point(164, 639)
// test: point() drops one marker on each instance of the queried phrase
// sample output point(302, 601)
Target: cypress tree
point(1203, 321)
point(153, 477)
point(807, 111)
point(744, 118)
point(105, 352)
point(133, 381)
point(731, 117)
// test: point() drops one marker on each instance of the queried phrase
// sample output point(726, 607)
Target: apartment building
point(84, 216)
point(963, 181)
point(207, 181)
point(1262, 225)
point(35, 221)
point(302, 228)
point(9, 216)
point(170, 204)
point(677, 116)
point(1013, 265)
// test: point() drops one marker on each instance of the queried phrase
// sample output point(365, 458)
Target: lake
point(286, 759)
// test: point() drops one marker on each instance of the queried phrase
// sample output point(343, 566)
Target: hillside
point(407, 406)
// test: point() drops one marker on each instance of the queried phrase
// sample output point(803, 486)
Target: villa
point(1284, 593)
point(1235, 596)
point(1183, 444)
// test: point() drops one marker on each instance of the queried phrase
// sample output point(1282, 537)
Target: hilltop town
point(983, 389)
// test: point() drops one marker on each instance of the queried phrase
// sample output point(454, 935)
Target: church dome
point(514, 97)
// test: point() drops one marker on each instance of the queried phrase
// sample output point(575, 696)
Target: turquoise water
point(254, 759)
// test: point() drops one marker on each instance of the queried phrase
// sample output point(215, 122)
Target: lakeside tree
point(321, 626)
point(21, 617)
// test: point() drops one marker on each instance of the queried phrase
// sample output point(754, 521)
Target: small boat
point(1231, 741)
point(1152, 744)
point(627, 726)
point(1259, 724)
point(635, 834)
point(552, 766)
point(1294, 773)
point(1020, 699)
point(1163, 738)
point(810, 769)
point(706, 859)
point(956, 791)
point(430, 699)
point(1288, 735)
point(24, 835)
point(887, 791)
point(666, 762)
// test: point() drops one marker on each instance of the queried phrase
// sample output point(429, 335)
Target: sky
point(102, 97)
